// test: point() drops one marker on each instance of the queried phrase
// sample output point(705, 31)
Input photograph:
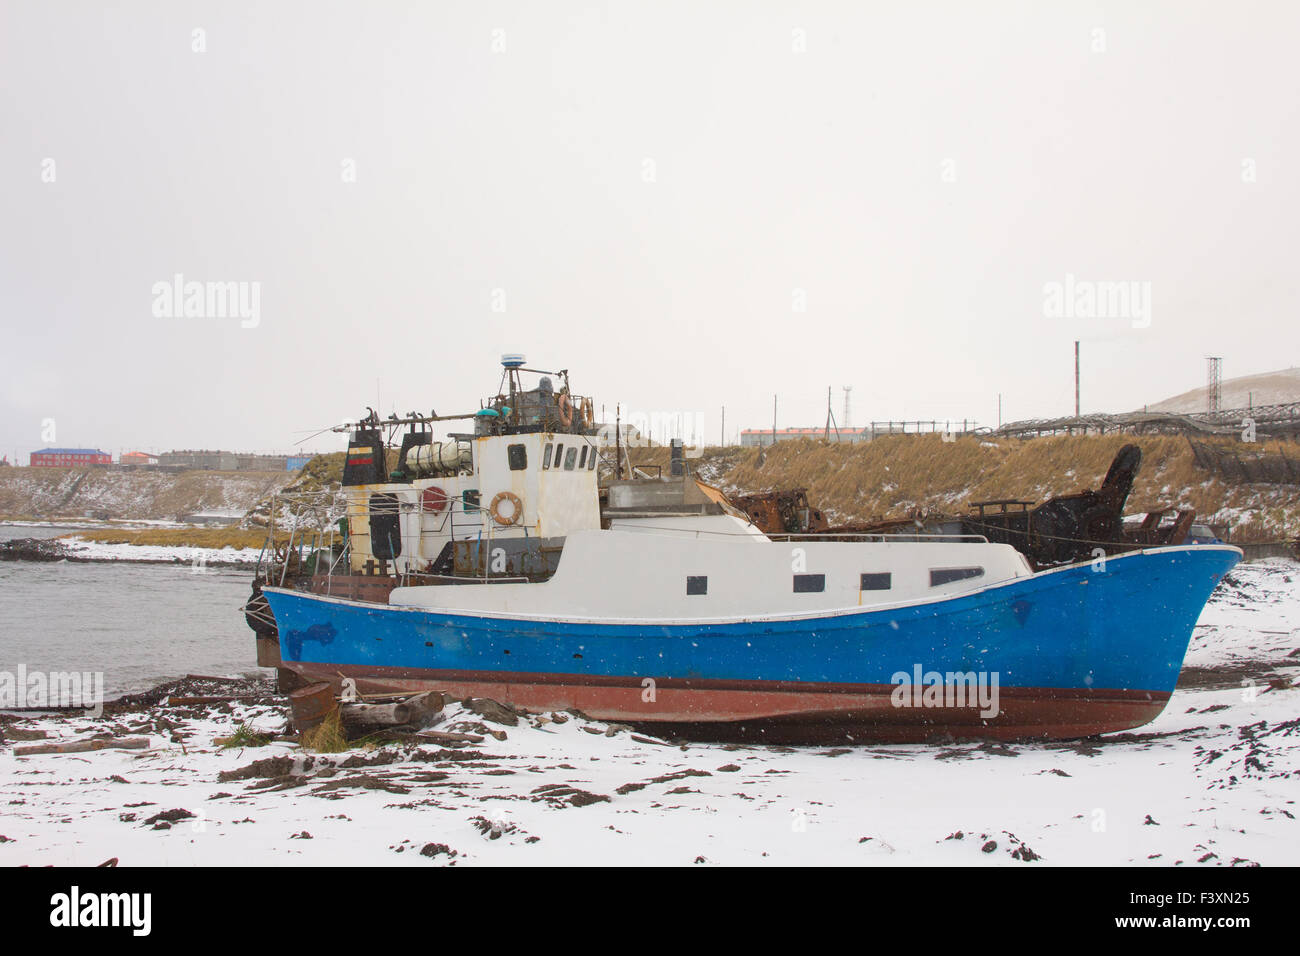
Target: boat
point(520, 561)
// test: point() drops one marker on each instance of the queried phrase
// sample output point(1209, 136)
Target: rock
point(560, 795)
point(494, 711)
point(36, 549)
point(474, 727)
point(267, 767)
point(18, 733)
point(169, 817)
point(990, 846)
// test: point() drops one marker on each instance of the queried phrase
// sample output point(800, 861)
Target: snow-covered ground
point(1212, 782)
point(101, 551)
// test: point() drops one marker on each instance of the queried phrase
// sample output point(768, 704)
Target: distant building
point(262, 463)
point(137, 458)
point(751, 437)
point(69, 457)
point(205, 460)
point(218, 518)
point(202, 460)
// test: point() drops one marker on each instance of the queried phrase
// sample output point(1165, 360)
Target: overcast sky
point(688, 205)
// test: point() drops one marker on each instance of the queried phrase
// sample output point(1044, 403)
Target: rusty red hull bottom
point(774, 712)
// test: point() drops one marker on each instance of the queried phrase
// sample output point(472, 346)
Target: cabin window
point(591, 460)
point(809, 583)
point(697, 584)
point(517, 457)
point(385, 527)
point(877, 582)
point(940, 576)
point(546, 455)
point(582, 459)
point(559, 454)
point(470, 501)
point(570, 457)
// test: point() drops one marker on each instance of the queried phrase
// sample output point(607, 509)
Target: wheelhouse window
point(882, 581)
point(385, 527)
point(591, 460)
point(940, 576)
point(546, 455)
point(570, 458)
point(809, 583)
point(697, 584)
point(582, 459)
point(517, 457)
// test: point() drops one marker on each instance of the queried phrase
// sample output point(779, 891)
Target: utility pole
point(773, 419)
point(722, 432)
point(999, 409)
point(1076, 378)
point(618, 443)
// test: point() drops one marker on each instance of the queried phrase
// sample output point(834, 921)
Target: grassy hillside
point(93, 492)
point(893, 476)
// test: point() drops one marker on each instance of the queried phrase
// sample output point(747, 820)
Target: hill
point(140, 495)
point(1268, 388)
point(894, 476)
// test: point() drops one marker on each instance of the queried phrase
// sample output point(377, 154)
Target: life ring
point(566, 410)
point(516, 508)
point(433, 500)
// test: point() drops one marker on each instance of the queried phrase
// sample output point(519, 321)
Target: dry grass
point(181, 537)
point(894, 476)
point(326, 737)
point(244, 736)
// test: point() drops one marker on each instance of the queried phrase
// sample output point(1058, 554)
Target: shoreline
point(1210, 782)
point(75, 551)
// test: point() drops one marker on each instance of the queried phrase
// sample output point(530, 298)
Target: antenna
point(1076, 378)
point(1214, 384)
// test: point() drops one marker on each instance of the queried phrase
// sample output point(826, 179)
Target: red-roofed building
point(69, 457)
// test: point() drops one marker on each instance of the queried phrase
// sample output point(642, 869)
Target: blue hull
point(1075, 651)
